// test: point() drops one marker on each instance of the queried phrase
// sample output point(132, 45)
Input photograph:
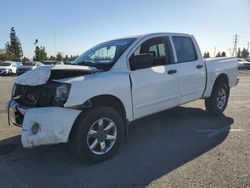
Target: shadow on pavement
point(156, 145)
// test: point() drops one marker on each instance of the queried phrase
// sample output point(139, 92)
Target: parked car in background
point(243, 64)
point(9, 67)
point(27, 66)
point(67, 62)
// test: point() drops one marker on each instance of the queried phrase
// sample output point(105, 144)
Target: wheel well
point(108, 100)
point(101, 100)
point(221, 78)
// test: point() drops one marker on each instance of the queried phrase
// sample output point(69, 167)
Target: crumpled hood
point(42, 74)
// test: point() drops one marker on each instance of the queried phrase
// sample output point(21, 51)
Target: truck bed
point(217, 66)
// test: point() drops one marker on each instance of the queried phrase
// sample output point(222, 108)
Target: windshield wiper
point(90, 63)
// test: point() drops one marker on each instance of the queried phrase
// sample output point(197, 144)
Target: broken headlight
point(62, 93)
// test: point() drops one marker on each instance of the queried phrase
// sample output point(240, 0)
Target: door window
point(157, 48)
point(184, 48)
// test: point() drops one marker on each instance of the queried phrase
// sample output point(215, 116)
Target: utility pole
point(248, 46)
point(214, 51)
point(235, 45)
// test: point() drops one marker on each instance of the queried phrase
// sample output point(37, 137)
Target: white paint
point(37, 76)
point(55, 125)
point(41, 74)
point(153, 89)
point(217, 66)
point(191, 80)
point(73, 67)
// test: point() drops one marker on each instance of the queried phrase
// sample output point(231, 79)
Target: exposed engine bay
point(50, 94)
point(40, 88)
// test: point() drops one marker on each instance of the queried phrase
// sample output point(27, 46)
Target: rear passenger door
point(191, 69)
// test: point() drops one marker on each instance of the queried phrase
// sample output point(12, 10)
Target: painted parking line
point(214, 132)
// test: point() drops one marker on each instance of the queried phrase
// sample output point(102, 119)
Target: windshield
point(5, 64)
point(104, 55)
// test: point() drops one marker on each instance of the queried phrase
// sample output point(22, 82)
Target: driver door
point(154, 88)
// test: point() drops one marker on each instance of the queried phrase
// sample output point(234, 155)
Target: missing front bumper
point(55, 123)
point(16, 113)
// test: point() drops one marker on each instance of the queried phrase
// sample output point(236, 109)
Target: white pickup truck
point(91, 103)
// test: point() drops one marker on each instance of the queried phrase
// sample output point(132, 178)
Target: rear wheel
point(218, 100)
point(98, 134)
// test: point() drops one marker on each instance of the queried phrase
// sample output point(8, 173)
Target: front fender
point(114, 83)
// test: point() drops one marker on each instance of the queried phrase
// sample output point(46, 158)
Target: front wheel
point(98, 134)
point(217, 102)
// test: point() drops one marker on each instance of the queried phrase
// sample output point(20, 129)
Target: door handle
point(199, 66)
point(172, 71)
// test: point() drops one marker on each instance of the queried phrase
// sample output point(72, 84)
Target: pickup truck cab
point(91, 103)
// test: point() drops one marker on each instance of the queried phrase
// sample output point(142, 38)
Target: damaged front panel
point(40, 88)
point(37, 104)
point(40, 96)
point(42, 74)
point(52, 125)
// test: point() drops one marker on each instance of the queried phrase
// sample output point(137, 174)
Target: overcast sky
point(73, 26)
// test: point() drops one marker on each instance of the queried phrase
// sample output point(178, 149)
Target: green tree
point(223, 54)
point(40, 54)
point(206, 55)
point(53, 58)
point(66, 58)
point(245, 53)
point(14, 47)
point(3, 55)
point(25, 59)
point(218, 54)
point(59, 56)
point(72, 58)
point(239, 53)
point(8, 52)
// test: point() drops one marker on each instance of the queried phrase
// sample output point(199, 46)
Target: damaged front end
point(37, 105)
point(51, 94)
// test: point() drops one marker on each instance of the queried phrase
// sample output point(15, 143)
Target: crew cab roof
point(153, 34)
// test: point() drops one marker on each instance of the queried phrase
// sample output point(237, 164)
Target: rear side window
point(184, 48)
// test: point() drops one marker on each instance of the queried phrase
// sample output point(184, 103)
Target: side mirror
point(141, 61)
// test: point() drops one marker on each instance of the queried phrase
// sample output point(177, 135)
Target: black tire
point(80, 141)
point(212, 103)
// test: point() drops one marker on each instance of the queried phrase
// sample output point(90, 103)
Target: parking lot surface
point(180, 147)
